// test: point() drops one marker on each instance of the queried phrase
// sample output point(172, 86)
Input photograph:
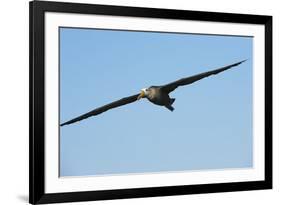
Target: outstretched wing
point(185, 81)
point(104, 108)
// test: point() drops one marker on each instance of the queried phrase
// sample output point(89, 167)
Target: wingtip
point(243, 61)
point(63, 124)
point(236, 64)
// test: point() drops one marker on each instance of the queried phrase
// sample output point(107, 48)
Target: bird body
point(158, 95)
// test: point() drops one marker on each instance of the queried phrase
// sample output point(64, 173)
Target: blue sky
point(210, 128)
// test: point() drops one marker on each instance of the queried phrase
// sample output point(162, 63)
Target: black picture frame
point(37, 194)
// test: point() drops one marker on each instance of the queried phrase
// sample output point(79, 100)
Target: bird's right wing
point(104, 108)
point(189, 80)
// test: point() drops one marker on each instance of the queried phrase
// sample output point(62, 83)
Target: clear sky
point(210, 128)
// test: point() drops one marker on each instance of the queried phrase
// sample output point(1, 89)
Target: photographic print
point(154, 102)
point(130, 102)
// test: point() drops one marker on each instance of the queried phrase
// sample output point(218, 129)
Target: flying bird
point(158, 95)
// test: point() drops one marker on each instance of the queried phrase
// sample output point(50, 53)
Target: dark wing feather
point(185, 81)
point(104, 108)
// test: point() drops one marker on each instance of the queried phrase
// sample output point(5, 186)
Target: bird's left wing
point(104, 108)
point(185, 81)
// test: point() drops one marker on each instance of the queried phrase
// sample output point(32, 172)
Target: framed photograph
point(130, 102)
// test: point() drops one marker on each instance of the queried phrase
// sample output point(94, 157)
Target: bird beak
point(141, 95)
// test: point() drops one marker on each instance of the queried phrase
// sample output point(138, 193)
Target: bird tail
point(172, 100)
point(170, 107)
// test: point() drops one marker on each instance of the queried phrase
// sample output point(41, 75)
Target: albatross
point(158, 95)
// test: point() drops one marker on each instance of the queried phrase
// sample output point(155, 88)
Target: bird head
point(143, 93)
